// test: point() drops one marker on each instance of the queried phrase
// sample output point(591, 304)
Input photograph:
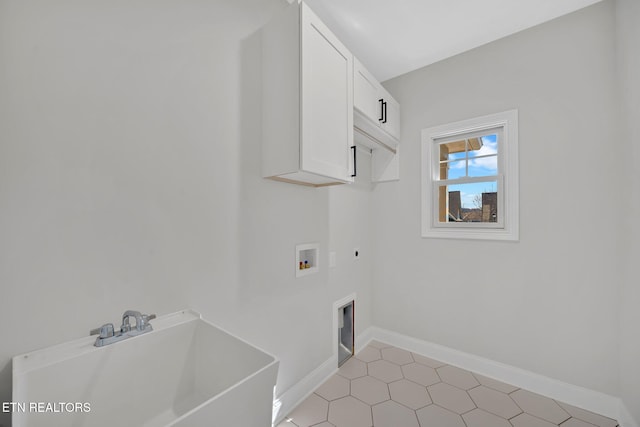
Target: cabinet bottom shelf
point(306, 179)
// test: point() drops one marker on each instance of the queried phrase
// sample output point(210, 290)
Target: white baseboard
point(591, 400)
point(291, 398)
point(363, 339)
point(287, 401)
point(594, 401)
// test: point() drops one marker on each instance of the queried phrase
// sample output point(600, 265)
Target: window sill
point(471, 234)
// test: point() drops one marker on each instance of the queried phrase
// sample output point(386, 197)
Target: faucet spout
point(126, 325)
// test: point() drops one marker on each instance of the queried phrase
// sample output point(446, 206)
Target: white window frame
point(507, 181)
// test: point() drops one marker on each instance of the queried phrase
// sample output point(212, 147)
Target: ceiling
point(393, 37)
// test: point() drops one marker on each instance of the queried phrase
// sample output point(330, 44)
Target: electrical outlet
point(356, 253)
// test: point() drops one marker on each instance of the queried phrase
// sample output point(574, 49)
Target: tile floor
point(384, 386)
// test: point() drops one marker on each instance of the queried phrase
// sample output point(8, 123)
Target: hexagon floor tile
point(409, 394)
point(334, 388)
point(451, 398)
point(457, 377)
point(590, 417)
point(540, 406)
point(385, 386)
point(349, 412)
point(369, 354)
point(527, 420)
point(370, 390)
point(384, 371)
point(353, 368)
point(420, 374)
point(494, 402)
point(397, 356)
point(437, 416)
point(392, 414)
point(480, 418)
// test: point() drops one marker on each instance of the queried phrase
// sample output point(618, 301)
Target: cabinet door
point(327, 100)
point(365, 92)
point(391, 124)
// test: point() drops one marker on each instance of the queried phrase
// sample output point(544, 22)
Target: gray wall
point(628, 32)
point(130, 179)
point(549, 303)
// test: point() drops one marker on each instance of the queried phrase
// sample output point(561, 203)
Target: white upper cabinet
point(391, 113)
point(366, 93)
point(374, 103)
point(376, 123)
point(307, 101)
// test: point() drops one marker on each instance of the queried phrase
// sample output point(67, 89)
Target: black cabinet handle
point(353, 147)
point(381, 101)
point(384, 110)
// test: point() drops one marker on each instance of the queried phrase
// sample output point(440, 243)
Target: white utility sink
point(186, 372)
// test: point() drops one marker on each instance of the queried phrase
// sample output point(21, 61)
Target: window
point(470, 178)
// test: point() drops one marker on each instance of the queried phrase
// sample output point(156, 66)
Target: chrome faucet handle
point(144, 321)
point(105, 331)
point(126, 326)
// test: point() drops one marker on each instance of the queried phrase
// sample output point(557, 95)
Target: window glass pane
point(457, 156)
point(472, 156)
point(453, 170)
point(486, 145)
point(476, 202)
point(453, 150)
point(483, 166)
point(474, 145)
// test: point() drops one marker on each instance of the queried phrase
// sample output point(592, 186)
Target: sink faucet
point(126, 326)
point(107, 335)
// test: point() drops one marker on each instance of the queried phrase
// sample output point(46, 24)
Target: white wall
point(628, 32)
point(351, 228)
point(130, 178)
point(549, 303)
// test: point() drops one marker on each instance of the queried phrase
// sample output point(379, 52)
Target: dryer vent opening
point(346, 346)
